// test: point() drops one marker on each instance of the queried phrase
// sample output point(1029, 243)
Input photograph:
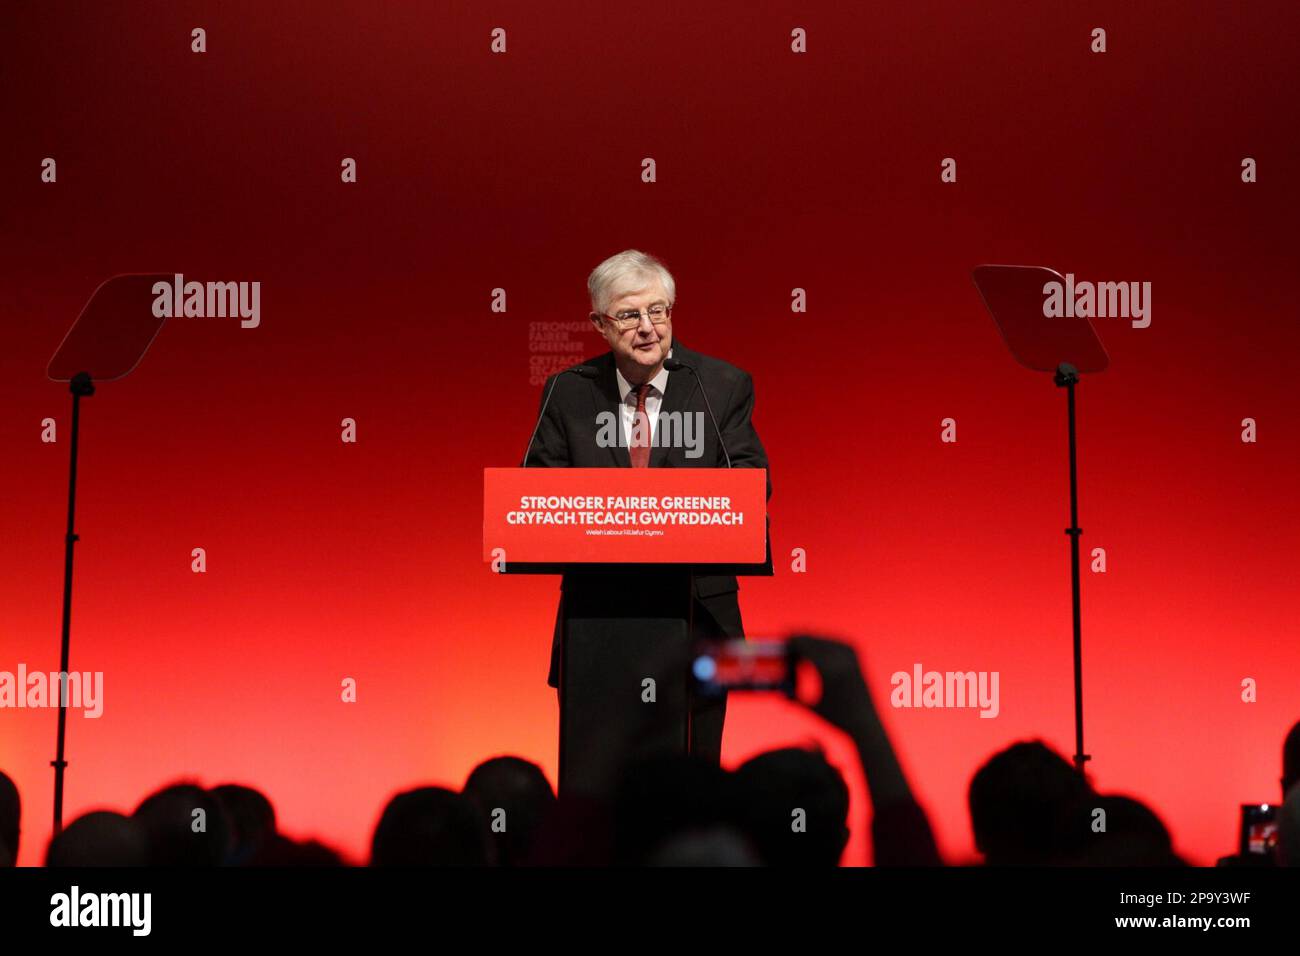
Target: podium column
point(624, 661)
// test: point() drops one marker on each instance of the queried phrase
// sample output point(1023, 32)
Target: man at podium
point(644, 384)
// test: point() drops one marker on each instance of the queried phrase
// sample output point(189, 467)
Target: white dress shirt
point(627, 409)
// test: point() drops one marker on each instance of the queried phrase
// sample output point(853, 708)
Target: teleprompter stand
point(107, 342)
point(1065, 347)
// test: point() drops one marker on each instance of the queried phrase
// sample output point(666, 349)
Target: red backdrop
point(522, 171)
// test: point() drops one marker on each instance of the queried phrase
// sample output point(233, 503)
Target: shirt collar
point(659, 382)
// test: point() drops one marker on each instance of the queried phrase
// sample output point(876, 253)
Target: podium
point(630, 543)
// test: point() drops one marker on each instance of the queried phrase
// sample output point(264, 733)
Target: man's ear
point(595, 320)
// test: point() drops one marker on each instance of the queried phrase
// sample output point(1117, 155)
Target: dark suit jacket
point(566, 438)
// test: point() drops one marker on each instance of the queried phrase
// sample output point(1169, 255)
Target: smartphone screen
point(742, 665)
point(1258, 829)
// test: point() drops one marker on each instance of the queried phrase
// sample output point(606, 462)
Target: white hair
point(606, 278)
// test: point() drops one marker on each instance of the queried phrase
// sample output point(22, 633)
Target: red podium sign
point(625, 515)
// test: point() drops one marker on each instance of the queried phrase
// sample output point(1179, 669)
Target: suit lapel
point(677, 396)
point(604, 393)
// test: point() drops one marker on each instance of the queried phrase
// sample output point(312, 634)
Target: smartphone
point(720, 666)
point(1258, 829)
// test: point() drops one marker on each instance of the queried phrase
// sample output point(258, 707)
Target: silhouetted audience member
point(1288, 828)
point(900, 831)
point(795, 807)
point(1021, 807)
point(660, 798)
point(514, 795)
point(1290, 777)
point(252, 821)
point(100, 838)
point(278, 850)
point(579, 831)
point(1291, 760)
point(11, 814)
point(430, 826)
point(1125, 833)
point(184, 825)
point(710, 846)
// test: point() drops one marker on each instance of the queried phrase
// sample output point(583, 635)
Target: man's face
point(645, 346)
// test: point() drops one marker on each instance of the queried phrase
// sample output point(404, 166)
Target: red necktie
point(639, 441)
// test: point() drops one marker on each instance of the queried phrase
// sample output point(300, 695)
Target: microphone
point(673, 365)
point(585, 371)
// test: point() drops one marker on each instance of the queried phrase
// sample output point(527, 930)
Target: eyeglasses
point(631, 318)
